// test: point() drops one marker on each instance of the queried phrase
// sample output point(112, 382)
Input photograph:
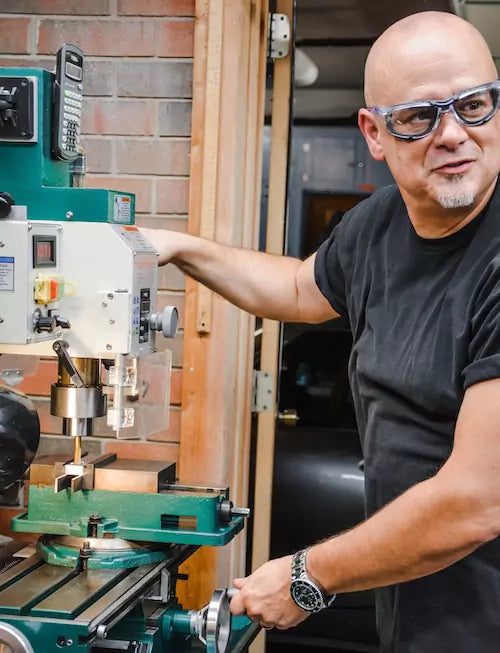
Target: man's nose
point(450, 132)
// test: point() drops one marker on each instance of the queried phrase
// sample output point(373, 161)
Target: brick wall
point(138, 87)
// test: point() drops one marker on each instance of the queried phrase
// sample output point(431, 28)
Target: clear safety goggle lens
point(470, 108)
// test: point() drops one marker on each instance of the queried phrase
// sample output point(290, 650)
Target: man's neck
point(434, 221)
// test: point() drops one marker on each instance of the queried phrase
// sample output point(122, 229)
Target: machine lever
point(62, 322)
point(60, 347)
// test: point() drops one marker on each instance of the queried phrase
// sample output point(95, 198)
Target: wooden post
point(226, 144)
point(275, 238)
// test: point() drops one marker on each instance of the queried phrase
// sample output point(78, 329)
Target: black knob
point(45, 324)
point(6, 202)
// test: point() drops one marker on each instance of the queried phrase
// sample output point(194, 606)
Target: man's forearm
point(421, 532)
point(257, 282)
point(276, 287)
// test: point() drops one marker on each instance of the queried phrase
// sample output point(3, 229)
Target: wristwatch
point(305, 592)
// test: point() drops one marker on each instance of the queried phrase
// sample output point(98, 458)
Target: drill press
point(79, 281)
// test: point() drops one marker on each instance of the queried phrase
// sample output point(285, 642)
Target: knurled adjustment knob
point(166, 321)
point(45, 323)
point(6, 203)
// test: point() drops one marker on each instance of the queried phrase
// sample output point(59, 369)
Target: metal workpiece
point(135, 475)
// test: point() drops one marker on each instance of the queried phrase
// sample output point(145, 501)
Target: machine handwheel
point(12, 640)
point(218, 622)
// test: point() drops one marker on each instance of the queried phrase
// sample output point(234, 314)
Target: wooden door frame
point(224, 201)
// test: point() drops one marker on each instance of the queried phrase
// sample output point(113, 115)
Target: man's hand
point(264, 596)
point(165, 242)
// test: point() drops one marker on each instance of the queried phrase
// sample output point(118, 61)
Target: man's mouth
point(454, 167)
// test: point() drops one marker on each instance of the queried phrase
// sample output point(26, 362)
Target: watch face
point(306, 596)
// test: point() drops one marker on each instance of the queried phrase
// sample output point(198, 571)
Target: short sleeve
point(484, 346)
point(328, 271)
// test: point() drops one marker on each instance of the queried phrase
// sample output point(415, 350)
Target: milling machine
point(78, 281)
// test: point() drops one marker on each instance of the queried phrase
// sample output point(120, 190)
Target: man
point(416, 269)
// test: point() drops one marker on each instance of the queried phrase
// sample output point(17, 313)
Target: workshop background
point(136, 126)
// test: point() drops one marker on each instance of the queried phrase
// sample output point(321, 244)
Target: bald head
point(420, 49)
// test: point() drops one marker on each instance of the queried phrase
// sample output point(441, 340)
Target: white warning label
point(6, 273)
point(122, 208)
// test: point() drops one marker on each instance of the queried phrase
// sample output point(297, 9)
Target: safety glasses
point(415, 120)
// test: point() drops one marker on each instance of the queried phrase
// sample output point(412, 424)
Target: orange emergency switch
point(48, 289)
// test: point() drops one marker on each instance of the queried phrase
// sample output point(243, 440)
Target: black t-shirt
point(425, 319)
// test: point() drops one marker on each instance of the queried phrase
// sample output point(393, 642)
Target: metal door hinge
point(279, 36)
point(262, 392)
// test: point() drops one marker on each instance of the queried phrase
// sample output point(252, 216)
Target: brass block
point(134, 475)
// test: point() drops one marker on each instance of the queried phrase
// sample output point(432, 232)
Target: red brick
point(173, 432)
point(6, 515)
point(153, 157)
point(175, 38)
point(128, 117)
point(48, 423)
point(173, 299)
point(89, 7)
point(143, 450)
point(156, 7)
point(40, 382)
point(172, 195)
point(171, 278)
point(16, 62)
point(15, 35)
point(161, 222)
point(141, 187)
point(98, 37)
point(98, 150)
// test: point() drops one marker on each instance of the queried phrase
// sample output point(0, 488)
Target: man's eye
point(473, 105)
point(480, 105)
point(413, 116)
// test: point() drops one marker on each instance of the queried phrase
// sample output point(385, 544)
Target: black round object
point(19, 435)
point(6, 202)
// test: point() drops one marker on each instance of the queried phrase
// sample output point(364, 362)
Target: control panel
point(98, 283)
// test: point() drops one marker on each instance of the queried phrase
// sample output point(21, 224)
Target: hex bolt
point(93, 523)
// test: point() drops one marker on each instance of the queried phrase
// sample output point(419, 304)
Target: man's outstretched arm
point(429, 527)
point(276, 287)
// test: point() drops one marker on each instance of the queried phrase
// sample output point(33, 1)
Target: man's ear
point(370, 129)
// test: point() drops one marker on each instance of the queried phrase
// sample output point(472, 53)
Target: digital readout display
point(44, 251)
